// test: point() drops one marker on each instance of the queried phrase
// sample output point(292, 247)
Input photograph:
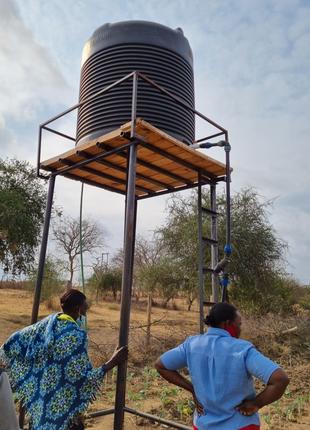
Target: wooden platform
point(164, 164)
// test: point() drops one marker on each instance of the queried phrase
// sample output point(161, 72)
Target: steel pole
point(39, 151)
point(227, 249)
point(47, 219)
point(81, 239)
point(129, 245)
point(200, 262)
point(166, 423)
point(129, 239)
point(228, 198)
point(214, 247)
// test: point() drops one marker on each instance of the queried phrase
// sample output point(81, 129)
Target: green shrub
point(53, 282)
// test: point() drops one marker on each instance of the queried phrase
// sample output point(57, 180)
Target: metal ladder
point(212, 241)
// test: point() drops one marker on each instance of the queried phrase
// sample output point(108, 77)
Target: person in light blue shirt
point(221, 367)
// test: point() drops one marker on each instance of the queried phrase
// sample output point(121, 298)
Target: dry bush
point(269, 334)
point(52, 303)
point(12, 285)
point(113, 307)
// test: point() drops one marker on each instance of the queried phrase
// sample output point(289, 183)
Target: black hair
point(71, 299)
point(219, 313)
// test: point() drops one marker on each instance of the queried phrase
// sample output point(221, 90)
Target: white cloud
point(28, 76)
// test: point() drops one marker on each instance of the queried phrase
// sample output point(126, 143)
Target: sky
point(251, 65)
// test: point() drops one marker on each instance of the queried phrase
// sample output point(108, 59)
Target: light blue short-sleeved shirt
point(221, 368)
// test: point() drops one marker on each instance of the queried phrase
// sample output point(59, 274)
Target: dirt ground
point(145, 390)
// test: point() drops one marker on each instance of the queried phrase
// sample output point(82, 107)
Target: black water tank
point(161, 53)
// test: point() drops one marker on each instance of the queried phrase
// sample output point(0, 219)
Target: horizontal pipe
point(59, 133)
point(220, 179)
point(181, 102)
point(174, 190)
point(210, 137)
point(101, 413)
point(157, 419)
point(184, 187)
point(77, 105)
point(41, 176)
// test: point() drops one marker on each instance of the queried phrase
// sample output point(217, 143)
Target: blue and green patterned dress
point(51, 373)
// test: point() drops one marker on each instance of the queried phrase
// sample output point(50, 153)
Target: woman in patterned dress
point(50, 370)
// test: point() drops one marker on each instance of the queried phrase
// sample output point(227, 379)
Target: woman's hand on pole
point(119, 356)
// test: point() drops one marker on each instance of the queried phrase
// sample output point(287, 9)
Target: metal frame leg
point(47, 219)
point(228, 180)
point(228, 248)
point(200, 264)
point(214, 247)
point(129, 241)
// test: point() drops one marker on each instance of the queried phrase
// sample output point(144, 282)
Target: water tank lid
point(138, 32)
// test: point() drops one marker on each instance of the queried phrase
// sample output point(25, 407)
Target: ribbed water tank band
point(109, 78)
point(185, 94)
point(113, 108)
point(145, 65)
point(102, 62)
point(166, 72)
point(109, 54)
point(173, 124)
point(162, 100)
point(174, 116)
point(108, 113)
point(144, 68)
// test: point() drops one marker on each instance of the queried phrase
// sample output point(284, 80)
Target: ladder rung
point(209, 211)
point(209, 303)
point(206, 269)
point(210, 241)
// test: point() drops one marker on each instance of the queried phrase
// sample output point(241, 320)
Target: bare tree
point(147, 256)
point(67, 236)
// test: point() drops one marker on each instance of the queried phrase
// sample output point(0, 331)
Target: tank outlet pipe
point(207, 145)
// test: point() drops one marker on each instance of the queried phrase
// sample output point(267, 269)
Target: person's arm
point(268, 372)
point(119, 356)
point(174, 377)
point(274, 391)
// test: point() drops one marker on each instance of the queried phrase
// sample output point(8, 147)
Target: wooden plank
point(144, 125)
point(189, 157)
point(164, 162)
point(154, 167)
point(115, 173)
point(140, 168)
point(99, 171)
point(120, 172)
point(155, 137)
